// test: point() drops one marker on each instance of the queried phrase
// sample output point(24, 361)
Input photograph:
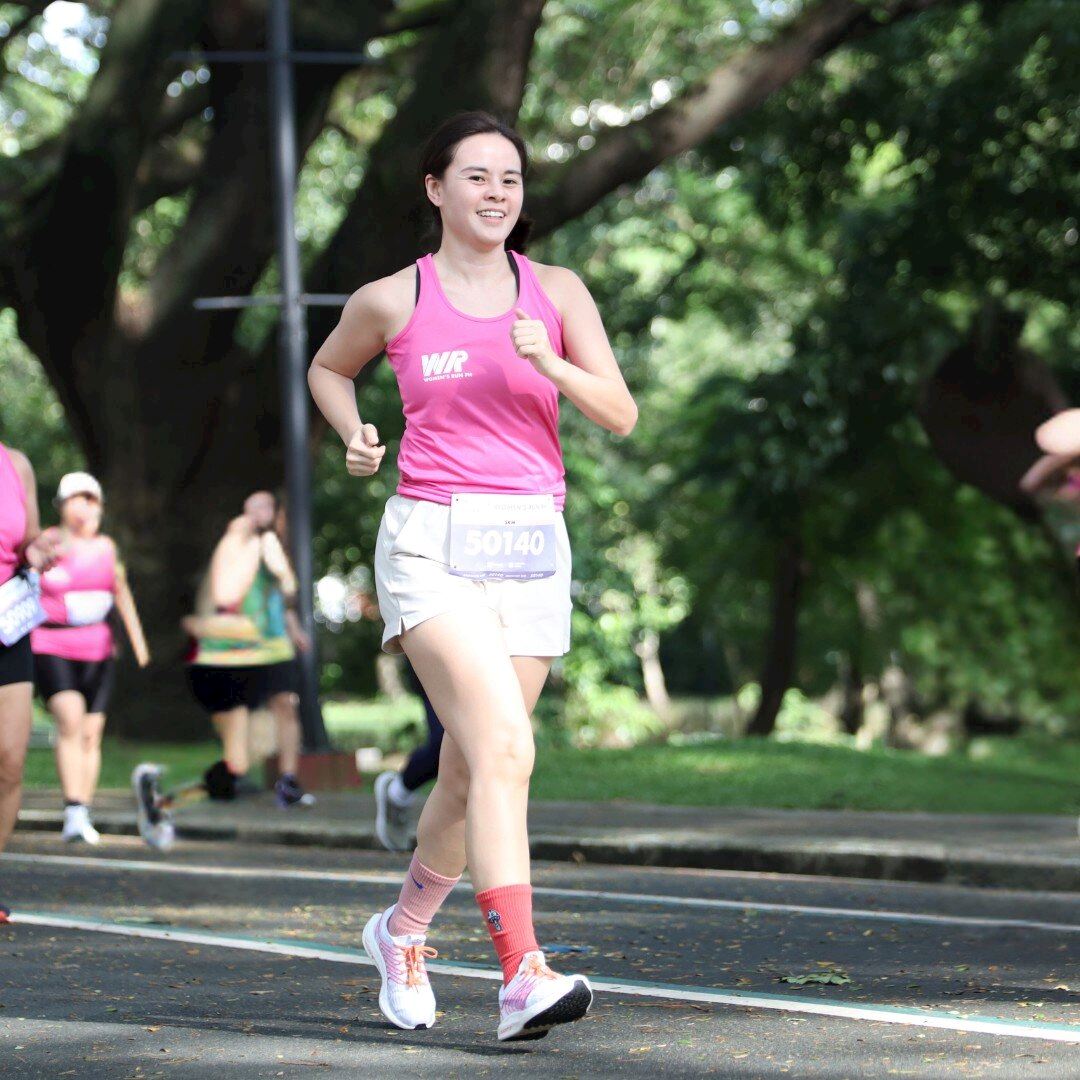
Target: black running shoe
point(288, 792)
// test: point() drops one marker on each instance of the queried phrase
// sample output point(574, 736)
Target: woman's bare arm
point(39, 550)
point(590, 376)
point(234, 564)
point(1047, 468)
point(129, 615)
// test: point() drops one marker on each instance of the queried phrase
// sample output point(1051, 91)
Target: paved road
point(1009, 851)
point(694, 961)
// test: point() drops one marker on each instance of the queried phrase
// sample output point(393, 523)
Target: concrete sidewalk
point(1006, 851)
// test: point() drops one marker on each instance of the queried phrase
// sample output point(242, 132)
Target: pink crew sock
point(507, 910)
point(421, 896)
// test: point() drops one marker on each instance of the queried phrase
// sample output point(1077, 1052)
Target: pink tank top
point(76, 594)
point(478, 418)
point(12, 516)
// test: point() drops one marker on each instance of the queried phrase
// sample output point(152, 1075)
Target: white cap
point(77, 483)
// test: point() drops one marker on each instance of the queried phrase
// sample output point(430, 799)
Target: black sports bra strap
point(513, 267)
point(516, 272)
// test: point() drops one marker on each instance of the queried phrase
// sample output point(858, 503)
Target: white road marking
point(660, 899)
point(888, 1014)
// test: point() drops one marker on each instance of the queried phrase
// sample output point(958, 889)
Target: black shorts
point(283, 678)
point(16, 662)
point(91, 678)
point(222, 689)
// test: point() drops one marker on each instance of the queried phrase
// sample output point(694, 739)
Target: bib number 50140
point(505, 542)
point(502, 536)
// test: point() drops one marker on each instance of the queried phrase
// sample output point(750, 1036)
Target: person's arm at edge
point(1060, 435)
point(1047, 467)
point(25, 473)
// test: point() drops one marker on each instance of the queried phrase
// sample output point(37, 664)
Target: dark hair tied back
point(439, 151)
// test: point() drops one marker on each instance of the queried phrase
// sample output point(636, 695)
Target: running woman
point(472, 560)
point(21, 549)
point(74, 663)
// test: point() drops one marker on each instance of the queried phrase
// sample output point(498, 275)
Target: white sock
point(399, 794)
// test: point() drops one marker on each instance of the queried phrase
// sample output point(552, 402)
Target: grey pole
point(293, 361)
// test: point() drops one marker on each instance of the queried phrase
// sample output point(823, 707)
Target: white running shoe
point(155, 822)
point(77, 825)
point(391, 818)
point(406, 998)
point(536, 999)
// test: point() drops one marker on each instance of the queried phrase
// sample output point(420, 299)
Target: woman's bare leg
point(68, 709)
point(14, 738)
point(477, 692)
point(93, 728)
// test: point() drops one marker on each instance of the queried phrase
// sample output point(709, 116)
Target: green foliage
point(777, 298)
point(31, 418)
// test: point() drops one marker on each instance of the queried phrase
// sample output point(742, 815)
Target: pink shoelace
point(415, 957)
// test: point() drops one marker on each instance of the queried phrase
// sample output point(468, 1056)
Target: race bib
point(20, 607)
point(502, 536)
point(85, 607)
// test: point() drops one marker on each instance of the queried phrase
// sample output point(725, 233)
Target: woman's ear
point(434, 189)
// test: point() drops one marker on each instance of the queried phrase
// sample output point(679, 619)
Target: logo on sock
point(495, 919)
point(414, 881)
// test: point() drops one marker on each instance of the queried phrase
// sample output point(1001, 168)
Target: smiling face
point(81, 514)
point(479, 196)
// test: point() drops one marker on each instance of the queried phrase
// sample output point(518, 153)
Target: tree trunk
point(780, 649)
point(652, 674)
point(388, 676)
point(851, 687)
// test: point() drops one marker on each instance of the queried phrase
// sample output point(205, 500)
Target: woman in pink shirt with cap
point(74, 649)
point(22, 547)
point(472, 562)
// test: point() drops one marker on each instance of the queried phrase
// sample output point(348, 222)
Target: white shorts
point(414, 583)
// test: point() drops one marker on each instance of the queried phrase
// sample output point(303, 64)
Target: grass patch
point(185, 761)
point(997, 776)
point(1007, 777)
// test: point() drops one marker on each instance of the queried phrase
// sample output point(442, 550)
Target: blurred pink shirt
point(88, 566)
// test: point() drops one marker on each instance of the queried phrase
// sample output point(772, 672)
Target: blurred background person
point(244, 641)
point(21, 548)
point(74, 649)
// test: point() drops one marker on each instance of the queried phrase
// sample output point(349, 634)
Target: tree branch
point(168, 169)
point(626, 154)
point(477, 60)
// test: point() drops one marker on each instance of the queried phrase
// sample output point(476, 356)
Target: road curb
point(885, 861)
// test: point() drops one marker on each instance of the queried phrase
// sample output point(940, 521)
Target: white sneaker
point(391, 818)
point(406, 998)
point(155, 822)
point(77, 825)
point(536, 999)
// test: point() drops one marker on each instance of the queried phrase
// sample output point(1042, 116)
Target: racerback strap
point(513, 268)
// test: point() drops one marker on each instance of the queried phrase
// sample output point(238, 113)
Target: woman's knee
point(454, 778)
point(12, 762)
point(507, 758)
